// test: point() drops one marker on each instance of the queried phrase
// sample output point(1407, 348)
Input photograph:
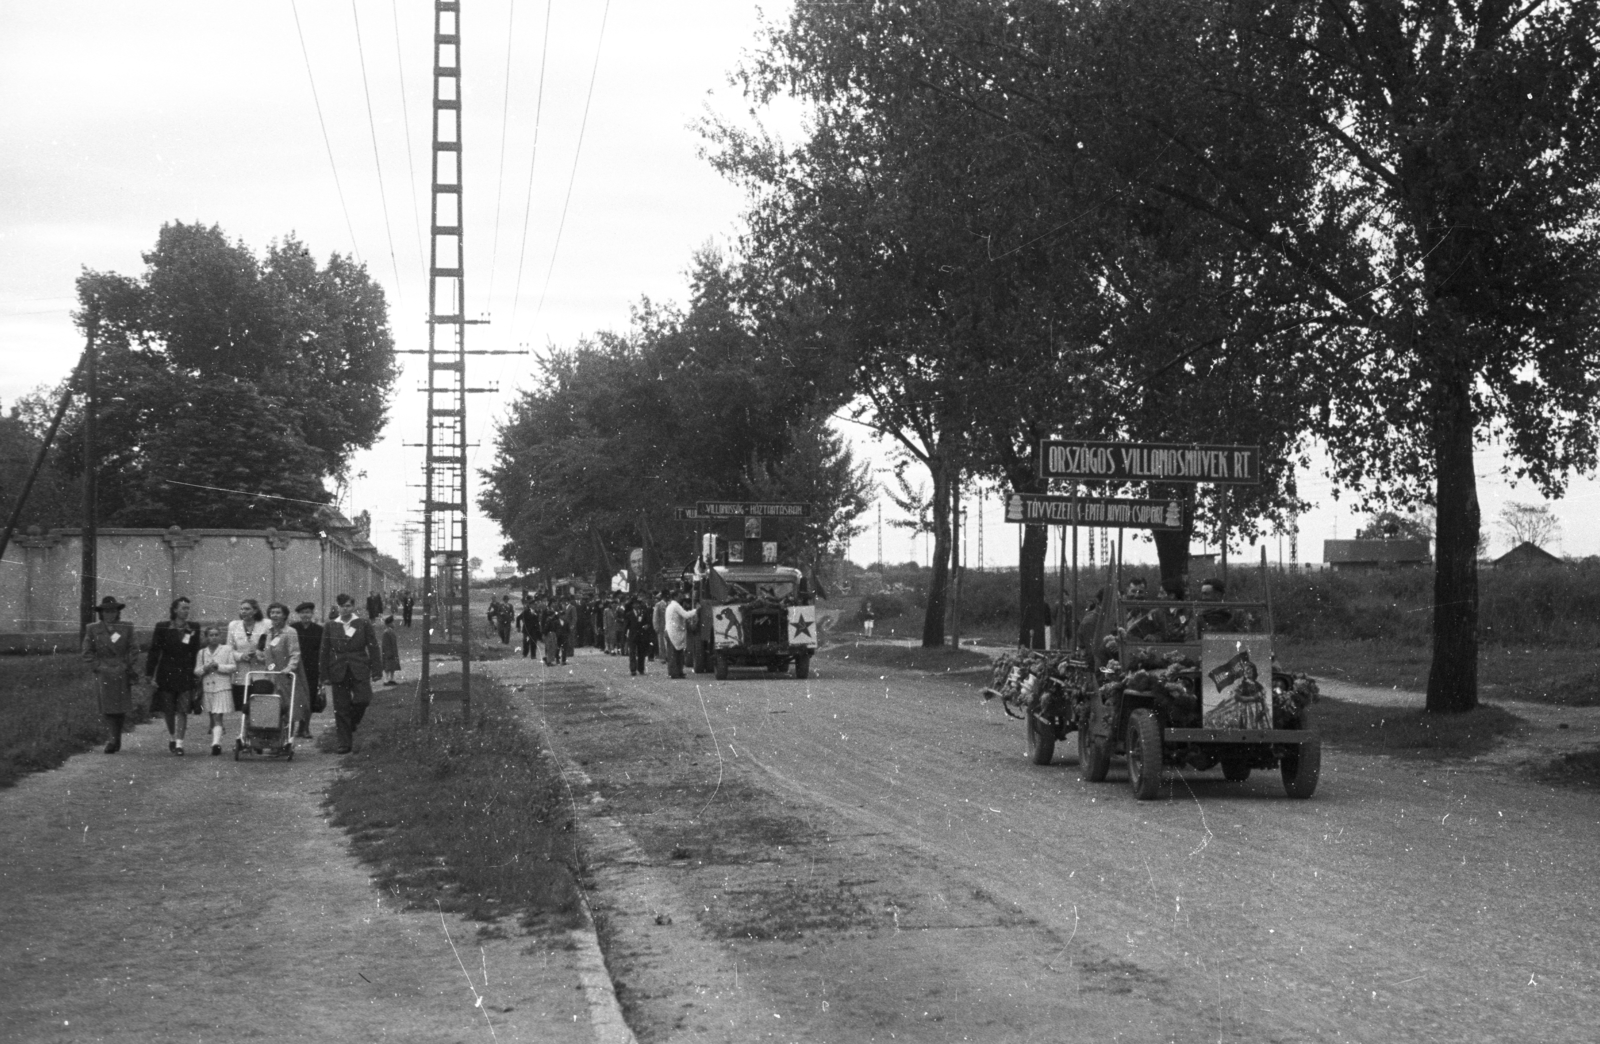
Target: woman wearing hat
point(108, 648)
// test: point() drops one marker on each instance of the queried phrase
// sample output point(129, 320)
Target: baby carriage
point(265, 726)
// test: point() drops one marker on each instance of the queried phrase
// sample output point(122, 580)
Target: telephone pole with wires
point(446, 580)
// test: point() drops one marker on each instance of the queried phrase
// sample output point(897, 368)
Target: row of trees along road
point(1369, 224)
point(693, 404)
point(229, 387)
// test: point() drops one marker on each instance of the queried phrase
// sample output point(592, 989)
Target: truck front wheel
point(1300, 765)
point(802, 666)
point(1144, 754)
point(720, 666)
point(1041, 740)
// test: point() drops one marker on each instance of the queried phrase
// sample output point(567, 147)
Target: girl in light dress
point(215, 667)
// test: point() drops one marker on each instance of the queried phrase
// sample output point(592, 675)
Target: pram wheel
point(289, 754)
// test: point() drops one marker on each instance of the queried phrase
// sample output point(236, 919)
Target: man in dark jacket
point(351, 659)
point(639, 634)
point(374, 605)
point(310, 633)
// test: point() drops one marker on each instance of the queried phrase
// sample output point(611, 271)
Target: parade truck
point(1168, 684)
point(754, 615)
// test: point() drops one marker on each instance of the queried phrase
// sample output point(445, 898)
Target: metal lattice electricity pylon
point(445, 576)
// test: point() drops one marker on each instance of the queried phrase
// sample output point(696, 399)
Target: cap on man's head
point(306, 607)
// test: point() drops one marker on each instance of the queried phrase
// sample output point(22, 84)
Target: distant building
point(1374, 554)
point(505, 572)
point(1524, 555)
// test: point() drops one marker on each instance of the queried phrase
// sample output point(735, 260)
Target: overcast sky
point(117, 117)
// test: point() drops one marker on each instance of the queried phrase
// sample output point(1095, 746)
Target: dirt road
point(150, 898)
point(864, 857)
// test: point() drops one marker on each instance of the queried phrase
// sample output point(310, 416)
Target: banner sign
point(683, 514)
point(1148, 462)
point(759, 509)
point(1037, 509)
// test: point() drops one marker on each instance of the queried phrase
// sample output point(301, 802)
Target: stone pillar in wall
point(180, 546)
point(38, 604)
point(278, 543)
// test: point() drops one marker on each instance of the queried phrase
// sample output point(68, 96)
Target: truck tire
point(720, 666)
point(802, 666)
point(1041, 741)
point(699, 658)
point(1094, 759)
point(1235, 771)
point(1300, 766)
point(1144, 754)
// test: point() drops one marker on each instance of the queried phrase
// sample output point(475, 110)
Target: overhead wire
point(377, 160)
point(576, 156)
point(317, 101)
point(500, 179)
point(411, 165)
point(533, 160)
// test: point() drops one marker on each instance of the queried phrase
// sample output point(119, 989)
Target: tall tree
point(231, 388)
point(690, 405)
point(1449, 232)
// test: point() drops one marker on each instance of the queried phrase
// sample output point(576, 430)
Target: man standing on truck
point(677, 620)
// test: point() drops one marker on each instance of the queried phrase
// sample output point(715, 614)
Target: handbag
point(319, 702)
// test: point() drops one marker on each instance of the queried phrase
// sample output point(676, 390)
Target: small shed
point(1524, 555)
point(1374, 554)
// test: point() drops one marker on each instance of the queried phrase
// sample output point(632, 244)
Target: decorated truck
point(752, 616)
point(1168, 684)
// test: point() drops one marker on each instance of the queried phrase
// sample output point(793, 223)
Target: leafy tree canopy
point(229, 386)
point(690, 405)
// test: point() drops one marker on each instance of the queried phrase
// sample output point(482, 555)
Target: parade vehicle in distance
point(752, 616)
point(1180, 684)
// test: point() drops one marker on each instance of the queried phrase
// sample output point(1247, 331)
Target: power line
point(527, 206)
point(348, 224)
point(377, 161)
point(405, 112)
point(577, 153)
point(500, 178)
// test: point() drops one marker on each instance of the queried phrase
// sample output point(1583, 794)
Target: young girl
point(215, 667)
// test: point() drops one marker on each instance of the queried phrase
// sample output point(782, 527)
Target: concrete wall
point(147, 568)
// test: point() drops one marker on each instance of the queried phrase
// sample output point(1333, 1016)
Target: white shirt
point(243, 644)
point(678, 618)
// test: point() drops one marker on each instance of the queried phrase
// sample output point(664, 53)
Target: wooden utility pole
point(89, 567)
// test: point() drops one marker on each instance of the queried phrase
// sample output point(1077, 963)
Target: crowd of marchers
point(551, 627)
point(211, 670)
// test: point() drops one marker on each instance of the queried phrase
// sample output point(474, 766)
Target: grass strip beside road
point(49, 712)
point(1409, 732)
point(937, 659)
point(1566, 676)
point(472, 818)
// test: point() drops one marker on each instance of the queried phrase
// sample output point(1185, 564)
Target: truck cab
point(753, 616)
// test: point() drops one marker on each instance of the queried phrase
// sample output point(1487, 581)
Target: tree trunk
point(1172, 549)
point(1030, 562)
point(1030, 583)
point(939, 582)
point(1453, 675)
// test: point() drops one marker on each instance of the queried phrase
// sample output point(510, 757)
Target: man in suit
point(374, 605)
point(351, 659)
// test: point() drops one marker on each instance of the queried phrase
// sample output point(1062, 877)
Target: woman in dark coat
point(170, 667)
point(108, 648)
